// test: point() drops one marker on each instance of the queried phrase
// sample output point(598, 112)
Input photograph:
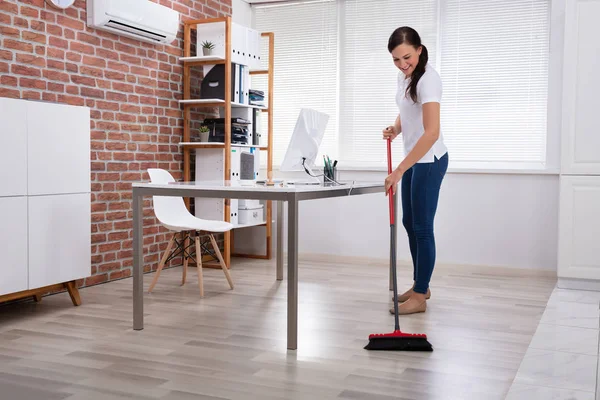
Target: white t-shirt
point(429, 89)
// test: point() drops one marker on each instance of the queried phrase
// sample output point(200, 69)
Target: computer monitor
point(304, 145)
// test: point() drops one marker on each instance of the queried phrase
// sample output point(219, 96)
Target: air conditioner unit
point(138, 19)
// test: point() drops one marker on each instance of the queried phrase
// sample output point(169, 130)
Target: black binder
point(213, 84)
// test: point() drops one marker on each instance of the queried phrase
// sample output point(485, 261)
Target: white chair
point(172, 213)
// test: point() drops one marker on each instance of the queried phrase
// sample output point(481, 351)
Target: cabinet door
point(579, 227)
point(58, 149)
point(59, 239)
point(580, 131)
point(13, 244)
point(13, 147)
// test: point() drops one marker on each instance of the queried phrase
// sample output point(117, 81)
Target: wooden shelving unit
point(226, 105)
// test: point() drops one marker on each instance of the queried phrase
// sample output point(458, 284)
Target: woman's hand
point(391, 181)
point(390, 132)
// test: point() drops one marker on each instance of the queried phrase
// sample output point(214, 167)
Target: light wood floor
point(231, 344)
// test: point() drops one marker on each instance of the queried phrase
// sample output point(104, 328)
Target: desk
point(234, 190)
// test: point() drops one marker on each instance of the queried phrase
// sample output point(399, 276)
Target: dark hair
point(408, 35)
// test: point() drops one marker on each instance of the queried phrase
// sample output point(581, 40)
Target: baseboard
point(579, 284)
point(377, 261)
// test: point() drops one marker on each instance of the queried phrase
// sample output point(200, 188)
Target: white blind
point(368, 76)
point(305, 68)
point(494, 68)
point(492, 56)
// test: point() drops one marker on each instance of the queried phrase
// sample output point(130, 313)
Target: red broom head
point(397, 334)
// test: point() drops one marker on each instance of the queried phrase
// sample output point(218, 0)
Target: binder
point(213, 84)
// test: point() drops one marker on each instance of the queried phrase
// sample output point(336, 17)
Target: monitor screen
point(306, 139)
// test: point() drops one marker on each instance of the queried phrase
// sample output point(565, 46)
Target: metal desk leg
point(138, 261)
point(280, 240)
point(292, 241)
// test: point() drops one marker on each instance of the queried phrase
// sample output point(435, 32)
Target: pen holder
point(330, 175)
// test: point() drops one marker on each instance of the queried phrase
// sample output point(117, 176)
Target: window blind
point(494, 68)
point(305, 68)
point(492, 56)
point(368, 76)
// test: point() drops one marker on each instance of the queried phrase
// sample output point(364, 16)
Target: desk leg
point(280, 240)
point(292, 241)
point(138, 261)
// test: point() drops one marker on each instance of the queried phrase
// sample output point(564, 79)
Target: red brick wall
point(132, 89)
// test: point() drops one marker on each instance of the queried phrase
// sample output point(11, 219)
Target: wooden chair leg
point(186, 243)
point(162, 263)
point(199, 265)
point(223, 266)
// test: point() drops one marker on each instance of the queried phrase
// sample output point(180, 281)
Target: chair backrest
point(168, 209)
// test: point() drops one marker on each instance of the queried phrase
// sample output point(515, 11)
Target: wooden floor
point(231, 344)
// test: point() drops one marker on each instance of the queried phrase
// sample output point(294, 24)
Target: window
point(305, 68)
point(492, 57)
point(368, 76)
point(494, 67)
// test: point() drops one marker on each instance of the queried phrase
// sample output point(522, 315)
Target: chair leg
point(199, 264)
point(186, 243)
point(223, 266)
point(162, 262)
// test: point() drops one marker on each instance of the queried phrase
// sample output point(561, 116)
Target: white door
point(13, 244)
point(579, 227)
point(58, 149)
point(59, 239)
point(581, 85)
point(13, 147)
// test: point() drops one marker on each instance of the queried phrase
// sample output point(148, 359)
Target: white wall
point(483, 219)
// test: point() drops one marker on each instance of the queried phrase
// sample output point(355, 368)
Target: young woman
point(424, 167)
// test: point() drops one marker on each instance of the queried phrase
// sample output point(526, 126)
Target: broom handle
point(391, 195)
point(393, 239)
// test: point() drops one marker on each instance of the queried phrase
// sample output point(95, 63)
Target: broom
point(396, 340)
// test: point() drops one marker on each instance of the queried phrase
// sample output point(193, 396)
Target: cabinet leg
point(73, 292)
point(37, 297)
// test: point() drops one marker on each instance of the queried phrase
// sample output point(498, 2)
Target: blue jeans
point(420, 189)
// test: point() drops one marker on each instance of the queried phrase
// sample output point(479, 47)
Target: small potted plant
point(204, 131)
point(207, 47)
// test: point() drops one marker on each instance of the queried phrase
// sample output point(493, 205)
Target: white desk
point(233, 190)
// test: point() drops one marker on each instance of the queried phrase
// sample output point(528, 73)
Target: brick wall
point(132, 89)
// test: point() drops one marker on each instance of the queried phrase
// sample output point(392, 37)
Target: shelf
point(193, 154)
point(238, 226)
point(218, 103)
point(216, 145)
point(201, 60)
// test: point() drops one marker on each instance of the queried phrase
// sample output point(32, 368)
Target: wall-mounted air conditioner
point(138, 19)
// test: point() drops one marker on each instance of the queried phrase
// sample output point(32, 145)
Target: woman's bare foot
point(406, 295)
point(415, 304)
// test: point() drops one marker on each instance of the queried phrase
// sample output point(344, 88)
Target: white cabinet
point(45, 204)
point(59, 238)
point(13, 244)
point(579, 227)
point(579, 210)
point(13, 148)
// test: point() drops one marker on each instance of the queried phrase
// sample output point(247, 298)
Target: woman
point(424, 167)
